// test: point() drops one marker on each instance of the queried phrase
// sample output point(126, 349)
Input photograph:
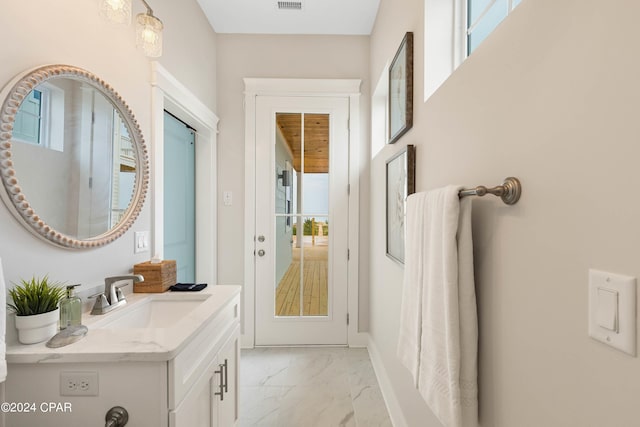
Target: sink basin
point(153, 312)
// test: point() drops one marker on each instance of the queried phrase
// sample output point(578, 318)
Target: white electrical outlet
point(78, 383)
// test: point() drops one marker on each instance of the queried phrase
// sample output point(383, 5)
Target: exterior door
point(301, 235)
point(179, 197)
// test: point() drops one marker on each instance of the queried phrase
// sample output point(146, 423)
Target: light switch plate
point(140, 242)
point(227, 198)
point(624, 338)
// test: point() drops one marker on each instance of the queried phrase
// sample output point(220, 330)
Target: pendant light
point(149, 33)
point(117, 11)
point(148, 26)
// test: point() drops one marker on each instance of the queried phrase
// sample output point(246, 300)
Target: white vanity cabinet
point(161, 378)
point(199, 408)
point(213, 400)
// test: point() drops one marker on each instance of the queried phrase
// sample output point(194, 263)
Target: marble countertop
point(130, 344)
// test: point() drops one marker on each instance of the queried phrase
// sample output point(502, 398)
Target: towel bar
point(509, 191)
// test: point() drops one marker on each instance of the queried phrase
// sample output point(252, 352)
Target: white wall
point(72, 32)
point(552, 98)
point(241, 56)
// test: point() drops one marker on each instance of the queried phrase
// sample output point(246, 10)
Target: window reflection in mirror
point(29, 118)
point(40, 119)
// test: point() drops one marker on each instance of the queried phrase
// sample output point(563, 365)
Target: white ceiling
point(353, 17)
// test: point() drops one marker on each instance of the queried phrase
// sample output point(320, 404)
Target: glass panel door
point(301, 236)
point(302, 214)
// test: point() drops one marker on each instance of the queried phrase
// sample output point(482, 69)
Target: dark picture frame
point(401, 90)
point(401, 182)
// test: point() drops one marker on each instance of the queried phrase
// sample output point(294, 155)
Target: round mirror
point(73, 163)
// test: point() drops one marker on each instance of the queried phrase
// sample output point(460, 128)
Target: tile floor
point(309, 387)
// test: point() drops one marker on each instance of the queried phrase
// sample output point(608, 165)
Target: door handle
point(261, 252)
point(260, 239)
point(226, 376)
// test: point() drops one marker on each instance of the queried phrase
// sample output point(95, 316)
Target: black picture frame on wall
point(401, 182)
point(401, 90)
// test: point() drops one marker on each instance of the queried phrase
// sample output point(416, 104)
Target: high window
point(452, 30)
point(483, 16)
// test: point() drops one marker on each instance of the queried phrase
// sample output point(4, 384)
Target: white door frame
point(167, 93)
point(293, 88)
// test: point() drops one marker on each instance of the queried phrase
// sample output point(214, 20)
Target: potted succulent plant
point(35, 303)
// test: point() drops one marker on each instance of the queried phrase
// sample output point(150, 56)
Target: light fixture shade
point(118, 11)
point(149, 35)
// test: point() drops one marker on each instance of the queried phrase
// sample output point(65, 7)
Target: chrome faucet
point(112, 296)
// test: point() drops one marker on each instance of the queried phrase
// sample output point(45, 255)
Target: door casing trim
point(296, 88)
point(167, 93)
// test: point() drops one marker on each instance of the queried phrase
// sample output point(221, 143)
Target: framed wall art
point(401, 90)
point(401, 181)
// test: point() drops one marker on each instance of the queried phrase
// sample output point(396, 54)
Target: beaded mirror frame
point(12, 194)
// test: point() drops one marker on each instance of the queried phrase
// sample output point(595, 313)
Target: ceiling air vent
point(290, 5)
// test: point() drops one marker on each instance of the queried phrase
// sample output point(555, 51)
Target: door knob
point(261, 252)
point(260, 239)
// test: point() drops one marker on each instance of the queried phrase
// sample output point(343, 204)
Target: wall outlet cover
point(78, 383)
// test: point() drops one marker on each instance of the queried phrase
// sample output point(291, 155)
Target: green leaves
point(36, 296)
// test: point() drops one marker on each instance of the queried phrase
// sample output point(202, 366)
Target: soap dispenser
point(70, 309)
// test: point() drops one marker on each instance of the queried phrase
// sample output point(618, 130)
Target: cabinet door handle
point(226, 376)
point(220, 383)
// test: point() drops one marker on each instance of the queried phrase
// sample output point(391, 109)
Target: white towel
point(3, 326)
point(439, 331)
point(409, 337)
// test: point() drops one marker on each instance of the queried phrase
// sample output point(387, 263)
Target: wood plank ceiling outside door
point(316, 140)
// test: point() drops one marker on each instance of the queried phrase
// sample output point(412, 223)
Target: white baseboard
point(246, 341)
point(359, 340)
point(390, 398)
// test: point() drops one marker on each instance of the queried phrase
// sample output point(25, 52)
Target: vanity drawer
point(193, 360)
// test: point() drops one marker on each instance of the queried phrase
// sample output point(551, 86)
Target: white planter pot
point(37, 328)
